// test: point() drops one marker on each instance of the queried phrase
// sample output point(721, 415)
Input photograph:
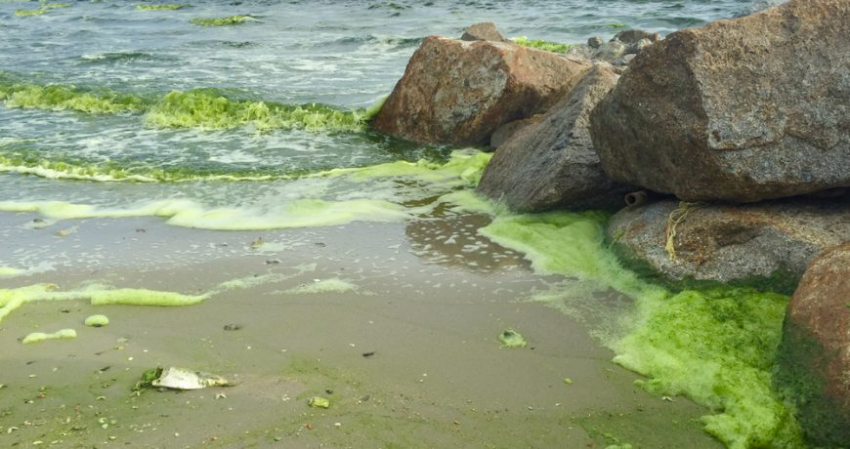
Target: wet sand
point(429, 313)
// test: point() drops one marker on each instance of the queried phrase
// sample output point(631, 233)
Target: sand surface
point(393, 324)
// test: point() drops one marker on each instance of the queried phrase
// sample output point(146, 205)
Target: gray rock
point(506, 131)
point(629, 37)
point(740, 110)
point(814, 356)
point(595, 42)
point(584, 52)
point(485, 31)
point(730, 243)
point(623, 61)
point(609, 51)
point(638, 46)
point(459, 92)
point(551, 164)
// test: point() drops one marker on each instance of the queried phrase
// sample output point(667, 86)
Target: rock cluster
point(551, 163)
point(740, 110)
point(739, 130)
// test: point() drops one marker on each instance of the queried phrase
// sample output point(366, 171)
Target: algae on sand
point(716, 347)
point(38, 337)
point(512, 339)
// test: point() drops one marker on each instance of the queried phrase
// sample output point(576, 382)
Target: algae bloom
point(554, 47)
point(716, 347)
point(43, 8)
point(164, 7)
point(38, 337)
point(512, 339)
point(97, 321)
point(221, 21)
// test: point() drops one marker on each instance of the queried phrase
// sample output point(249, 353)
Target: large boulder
point(771, 242)
point(484, 31)
point(459, 92)
point(814, 356)
point(551, 164)
point(740, 110)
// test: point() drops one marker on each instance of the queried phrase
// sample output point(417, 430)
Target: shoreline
point(414, 327)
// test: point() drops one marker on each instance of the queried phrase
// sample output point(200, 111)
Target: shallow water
point(141, 150)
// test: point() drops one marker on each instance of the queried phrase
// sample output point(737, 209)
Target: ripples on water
point(347, 54)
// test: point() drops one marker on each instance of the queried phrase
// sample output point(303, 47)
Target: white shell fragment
point(186, 379)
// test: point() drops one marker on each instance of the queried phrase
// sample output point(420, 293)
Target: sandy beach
point(428, 317)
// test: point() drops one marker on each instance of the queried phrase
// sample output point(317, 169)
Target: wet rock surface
point(551, 163)
point(768, 242)
point(740, 110)
point(814, 361)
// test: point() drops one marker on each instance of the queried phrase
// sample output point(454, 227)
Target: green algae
point(319, 402)
point(38, 337)
point(31, 162)
point(204, 108)
point(188, 214)
point(716, 347)
point(30, 12)
point(799, 376)
point(512, 339)
point(324, 286)
point(553, 47)
point(10, 272)
point(144, 297)
point(163, 7)
point(42, 9)
point(221, 21)
point(461, 172)
point(97, 321)
point(197, 108)
point(101, 295)
point(60, 98)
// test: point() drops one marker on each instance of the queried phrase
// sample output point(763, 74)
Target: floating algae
point(97, 321)
point(163, 7)
point(222, 21)
point(716, 347)
point(205, 108)
point(554, 47)
point(430, 179)
point(197, 108)
point(38, 337)
point(10, 272)
point(74, 168)
point(59, 98)
point(30, 12)
point(324, 286)
point(43, 8)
